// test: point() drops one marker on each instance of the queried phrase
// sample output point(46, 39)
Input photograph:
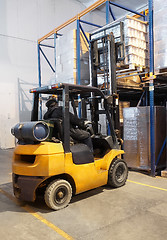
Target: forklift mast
point(103, 56)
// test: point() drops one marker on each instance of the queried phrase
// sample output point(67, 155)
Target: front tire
point(58, 194)
point(118, 173)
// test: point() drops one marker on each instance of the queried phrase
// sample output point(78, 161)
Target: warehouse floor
point(137, 210)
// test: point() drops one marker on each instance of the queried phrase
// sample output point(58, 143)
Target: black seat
point(102, 144)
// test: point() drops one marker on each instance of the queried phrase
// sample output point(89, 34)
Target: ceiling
point(87, 3)
point(133, 4)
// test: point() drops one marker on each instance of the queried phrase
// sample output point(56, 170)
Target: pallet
point(131, 87)
point(147, 171)
point(161, 72)
point(164, 173)
point(130, 67)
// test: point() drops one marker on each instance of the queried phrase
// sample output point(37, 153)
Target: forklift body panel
point(50, 161)
point(36, 166)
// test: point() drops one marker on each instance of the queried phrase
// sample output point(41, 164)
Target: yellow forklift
point(46, 160)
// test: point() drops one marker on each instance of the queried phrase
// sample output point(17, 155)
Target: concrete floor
point(137, 211)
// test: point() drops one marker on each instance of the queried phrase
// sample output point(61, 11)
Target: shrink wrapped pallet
point(160, 34)
point(130, 136)
point(134, 37)
point(164, 172)
point(66, 59)
point(137, 136)
point(135, 42)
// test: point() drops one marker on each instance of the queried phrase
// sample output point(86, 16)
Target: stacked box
point(134, 34)
point(66, 58)
point(135, 42)
point(160, 34)
point(122, 105)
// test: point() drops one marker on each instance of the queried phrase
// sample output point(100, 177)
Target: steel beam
point(47, 59)
point(39, 65)
point(91, 8)
point(89, 23)
point(151, 36)
point(152, 128)
point(126, 8)
point(44, 45)
point(78, 64)
point(141, 98)
point(55, 36)
point(111, 12)
point(161, 151)
point(78, 53)
point(107, 12)
point(71, 20)
point(39, 79)
point(151, 88)
point(84, 33)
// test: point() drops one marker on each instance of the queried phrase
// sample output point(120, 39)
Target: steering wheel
point(88, 126)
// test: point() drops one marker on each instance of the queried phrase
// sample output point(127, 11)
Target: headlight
point(31, 131)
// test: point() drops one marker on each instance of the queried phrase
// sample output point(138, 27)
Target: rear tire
point(58, 194)
point(118, 173)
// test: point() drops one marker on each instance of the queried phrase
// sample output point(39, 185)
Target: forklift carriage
point(46, 160)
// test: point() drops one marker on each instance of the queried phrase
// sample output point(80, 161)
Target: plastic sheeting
point(135, 39)
point(137, 136)
point(160, 34)
point(66, 59)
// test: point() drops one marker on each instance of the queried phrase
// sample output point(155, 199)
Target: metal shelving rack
point(78, 19)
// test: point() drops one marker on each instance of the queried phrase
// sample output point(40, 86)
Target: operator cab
point(88, 103)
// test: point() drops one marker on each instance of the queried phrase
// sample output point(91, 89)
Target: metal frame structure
point(109, 13)
point(68, 92)
point(151, 89)
point(77, 18)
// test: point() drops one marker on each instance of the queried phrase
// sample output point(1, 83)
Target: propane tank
point(31, 131)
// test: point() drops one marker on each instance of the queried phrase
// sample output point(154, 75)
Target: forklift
point(47, 161)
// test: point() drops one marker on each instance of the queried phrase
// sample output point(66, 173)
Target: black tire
point(58, 194)
point(117, 173)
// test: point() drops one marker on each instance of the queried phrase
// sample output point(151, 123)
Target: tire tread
point(111, 180)
point(48, 194)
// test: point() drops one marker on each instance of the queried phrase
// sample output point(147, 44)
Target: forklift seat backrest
point(104, 143)
point(58, 129)
point(81, 154)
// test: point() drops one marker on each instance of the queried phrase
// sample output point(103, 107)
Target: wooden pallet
point(161, 72)
point(129, 87)
point(164, 173)
point(130, 67)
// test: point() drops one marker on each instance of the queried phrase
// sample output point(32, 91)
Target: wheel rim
point(120, 173)
point(61, 195)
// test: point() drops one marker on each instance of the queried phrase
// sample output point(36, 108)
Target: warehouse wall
point(22, 23)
